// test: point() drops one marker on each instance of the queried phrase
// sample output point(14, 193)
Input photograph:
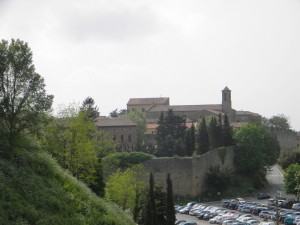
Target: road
point(275, 179)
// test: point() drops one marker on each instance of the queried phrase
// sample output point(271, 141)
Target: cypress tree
point(203, 139)
point(193, 141)
point(150, 215)
point(213, 133)
point(188, 143)
point(170, 131)
point(160, 206)
point(219, 131)
point(170, 211)
point(228, 133)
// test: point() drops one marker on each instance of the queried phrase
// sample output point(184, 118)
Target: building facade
point(153, 107)
point(121, 130)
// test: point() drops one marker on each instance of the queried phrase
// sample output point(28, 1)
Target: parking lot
point(255, 211)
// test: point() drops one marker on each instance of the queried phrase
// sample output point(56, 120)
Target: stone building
point(143, 105)
point(122, 130)
point(152, 108)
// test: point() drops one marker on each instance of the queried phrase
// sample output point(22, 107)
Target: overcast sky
point(113, 50)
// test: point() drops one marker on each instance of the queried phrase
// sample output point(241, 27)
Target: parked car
point(264, 214)
point(263, 196)
point(179, 222)
point(289, 220)
point(296, 206)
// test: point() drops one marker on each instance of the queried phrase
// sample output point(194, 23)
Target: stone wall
point(287, 139)
point(188, 173)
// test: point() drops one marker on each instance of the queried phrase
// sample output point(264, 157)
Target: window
point(143, 109)
point(122, 138)
point(114, 137)
point(129, 138)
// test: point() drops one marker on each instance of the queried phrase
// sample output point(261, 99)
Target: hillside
point(35, 190)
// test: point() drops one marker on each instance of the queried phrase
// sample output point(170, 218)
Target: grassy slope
point(35, 190)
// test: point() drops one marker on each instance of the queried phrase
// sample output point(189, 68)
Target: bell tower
point(226, 102)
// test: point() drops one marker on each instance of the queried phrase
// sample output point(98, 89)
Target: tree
point(188, 143)
point(292, 179)
point(227, 133)
point(23, 98)
point(170, 211)
point(89, 107)
point(257, 149)
point(78, 146)
point(203, 138)
point(220, 132)
point(150, 217)
point(217, 180)
point(124, 188)
point(115, 112)
point(280, 122)
point(170, 135)
point(289, 157)
point(213, 133)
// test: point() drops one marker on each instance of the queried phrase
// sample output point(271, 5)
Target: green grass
point(35, 190)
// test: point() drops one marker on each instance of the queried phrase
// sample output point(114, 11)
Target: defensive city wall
point(188, 173)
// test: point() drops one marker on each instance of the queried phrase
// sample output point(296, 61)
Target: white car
point(252, 222)
point(215, 219)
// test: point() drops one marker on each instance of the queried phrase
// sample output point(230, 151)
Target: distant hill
point(34, 190)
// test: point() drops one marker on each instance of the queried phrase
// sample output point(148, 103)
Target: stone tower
point(226, 102)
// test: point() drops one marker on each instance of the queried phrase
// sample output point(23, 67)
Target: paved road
point(275, 179)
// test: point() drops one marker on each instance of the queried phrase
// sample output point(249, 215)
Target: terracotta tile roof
point(155, 125)
point(185, 108)
point(114, 122)
point(148, 101)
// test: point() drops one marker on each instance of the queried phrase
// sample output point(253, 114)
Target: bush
point(125, 159)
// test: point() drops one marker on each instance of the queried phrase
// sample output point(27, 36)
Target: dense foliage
point(170, 135)
point(203, 138)
point(78, 146)
point(125, 159)
point(289, 157)
point(23, 98)
point(278, 122)
point(256, 149)
point(217, 181)
point(35, 190)
point(125, 187)
point(292, 179)
point(170, 210)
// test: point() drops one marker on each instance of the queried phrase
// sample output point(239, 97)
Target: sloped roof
point(155, 125)
point(114, 122)
point(226, 89)
point(148, 101)
point(186, 108)
point(246, 113)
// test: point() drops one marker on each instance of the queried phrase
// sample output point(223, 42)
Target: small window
point(114, 137)
point(122, 138)
point(129, 138)
point(143, 109)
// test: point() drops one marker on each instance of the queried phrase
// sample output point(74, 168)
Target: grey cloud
point(119, 25)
